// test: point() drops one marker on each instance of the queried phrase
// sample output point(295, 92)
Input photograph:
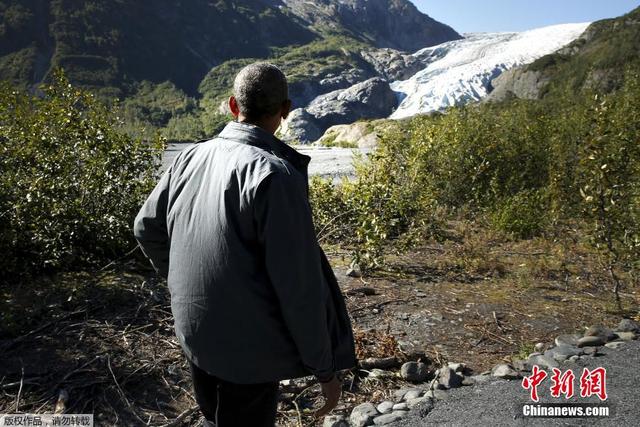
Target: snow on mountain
point(462, 70)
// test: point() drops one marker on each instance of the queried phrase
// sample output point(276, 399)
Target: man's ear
point(286, 108)
point(233, 106)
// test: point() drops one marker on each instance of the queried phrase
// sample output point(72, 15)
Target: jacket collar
point(246, 133)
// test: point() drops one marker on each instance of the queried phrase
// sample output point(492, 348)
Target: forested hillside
point(155, 55)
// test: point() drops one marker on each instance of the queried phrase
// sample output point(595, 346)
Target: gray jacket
point(253, 296)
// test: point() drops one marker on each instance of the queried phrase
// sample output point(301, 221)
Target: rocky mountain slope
point(596, 60)
point(110, 44)
point(393, 24)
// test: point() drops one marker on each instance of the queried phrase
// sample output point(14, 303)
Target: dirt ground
point(103, 342)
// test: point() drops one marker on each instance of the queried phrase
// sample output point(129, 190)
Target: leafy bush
point(524, 163)
point(523, 215)
point(70, 181)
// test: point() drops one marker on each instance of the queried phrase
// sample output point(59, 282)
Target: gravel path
point(497, 403)
point(325, 162)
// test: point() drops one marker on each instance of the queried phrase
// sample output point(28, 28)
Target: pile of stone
point(431, 386)
point(571, 348)
point(428, 387)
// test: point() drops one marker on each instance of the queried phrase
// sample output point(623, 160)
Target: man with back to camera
point(253, 296)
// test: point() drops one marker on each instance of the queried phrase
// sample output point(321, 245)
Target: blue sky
point(518, 15)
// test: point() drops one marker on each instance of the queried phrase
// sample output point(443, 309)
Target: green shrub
point(523, 215)
point(70, 181)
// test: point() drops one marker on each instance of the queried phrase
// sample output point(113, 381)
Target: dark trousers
point(226, 404)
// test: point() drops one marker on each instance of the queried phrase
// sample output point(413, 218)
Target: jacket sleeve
point(150, 226)
point(292, 257)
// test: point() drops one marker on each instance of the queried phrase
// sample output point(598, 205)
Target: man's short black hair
point(260, 90)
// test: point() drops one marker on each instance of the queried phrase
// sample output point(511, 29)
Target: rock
point(600, 331)
point(544, 362)
point(468, 381)
point(457, 367)
point(574, 359)
point(370, 99)
point(539, 346)
point(505, 371)
point(591, 351)
point(615, 345)
point(380, 363)
point(354, 272)
point(436, 394)
point(563, 352)
point(628, 325)
point(402, 406)
point(517, 83)
point(358, 134)
point(448, 378)
point(398, 395)
point(626, 336)
point(388, 24)
point(385, 407)
point(591, 341)
point(535, 353)
point(414, 372)
point(521, 365)
point(412, 394)
point(363, 415)
point(393, 65)
point(570, 340)
point(417, 401)
point(389, 418)
point(335, 421)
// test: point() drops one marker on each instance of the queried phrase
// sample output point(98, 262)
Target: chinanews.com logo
point(592, 382)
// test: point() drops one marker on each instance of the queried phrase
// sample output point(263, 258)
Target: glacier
point(461, 71)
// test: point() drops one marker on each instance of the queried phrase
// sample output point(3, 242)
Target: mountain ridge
point(112, 43)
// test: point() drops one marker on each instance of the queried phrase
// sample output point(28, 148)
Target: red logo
point(592, 382)
point(532, 382)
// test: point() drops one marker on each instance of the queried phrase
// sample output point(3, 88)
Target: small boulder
point(448, 378)
point(570, 340)
point(591, 351)
point(389, 418)
point(539, 346)
point(600, 331)
point(457, 367)
point(628, 325)
point(335, 421)
point(626, 336)
point(363, 415)
point(563, 352)
point(415, 372)
point(505, 371)
point(615, 344)
point(385, 407)
point(521, 365)
point(436, 394)
point(354, 271)
point(402, 406)
point(574, 359)
point(591, 341)
point(412, 394)
point(398, 395)
point(418, 401)
point(544, 362)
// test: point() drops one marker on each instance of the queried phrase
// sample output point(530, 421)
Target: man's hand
point(331, 391)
